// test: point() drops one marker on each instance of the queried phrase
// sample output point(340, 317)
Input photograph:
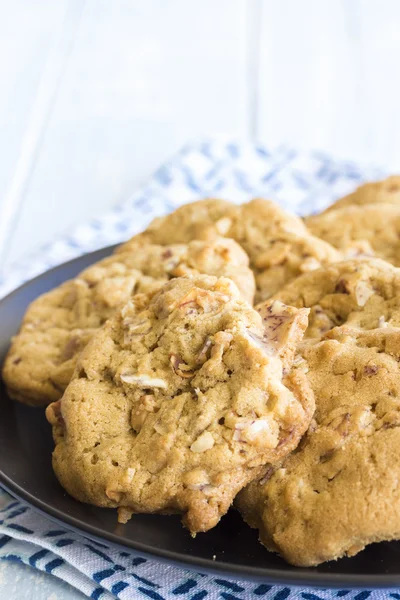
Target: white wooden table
point(95, 94)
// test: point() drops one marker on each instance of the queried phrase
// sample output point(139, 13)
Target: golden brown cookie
point(363, 293)
point(376, 226)
point(248, 223)
point(386, 191)
point(179, 401)
point(277, 242)
point(184, 224)
point(58, 325)
point(278, 245)
point(286, 256)
point(339, 490)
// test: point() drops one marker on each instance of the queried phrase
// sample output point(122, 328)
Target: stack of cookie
point(233, 353)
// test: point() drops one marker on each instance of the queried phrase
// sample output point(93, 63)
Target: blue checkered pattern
point(302, 182)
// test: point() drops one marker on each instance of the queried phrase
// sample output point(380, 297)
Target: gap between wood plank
point(253, 65)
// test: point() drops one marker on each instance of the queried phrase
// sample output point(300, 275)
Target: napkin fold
point(303, 182)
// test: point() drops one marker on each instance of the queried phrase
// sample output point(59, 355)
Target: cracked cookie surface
point(278, 245)
point(339, 489)
point(373, 227)
point(180, 400)
point(58, 325)
point(277, 242)
point(363, 293)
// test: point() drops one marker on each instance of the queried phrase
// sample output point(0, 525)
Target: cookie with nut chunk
point(58, 325)
point(277, 242)
point(362, 293)
point(279, 246)
point(374, 228)
point(338, 492)
point(180, 400)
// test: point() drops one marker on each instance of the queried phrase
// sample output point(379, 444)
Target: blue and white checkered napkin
point(303, 182)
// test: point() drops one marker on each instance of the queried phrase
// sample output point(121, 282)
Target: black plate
point(25, 470)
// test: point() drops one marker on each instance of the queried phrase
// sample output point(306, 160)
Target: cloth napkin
point(303, 182)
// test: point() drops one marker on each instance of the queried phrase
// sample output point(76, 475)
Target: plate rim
point(294, 576)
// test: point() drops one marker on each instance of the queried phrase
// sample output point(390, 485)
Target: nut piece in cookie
point(373, 227)
point(179, 401)
point(58, 325)
point(339, 490)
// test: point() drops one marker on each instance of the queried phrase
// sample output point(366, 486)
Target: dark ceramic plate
point(25, 470)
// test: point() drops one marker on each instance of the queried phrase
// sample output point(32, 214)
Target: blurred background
point(95, 94)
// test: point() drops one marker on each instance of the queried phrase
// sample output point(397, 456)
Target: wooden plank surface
point(142, 78)
point(309, 85)
point(26, 41)
point(328, 77)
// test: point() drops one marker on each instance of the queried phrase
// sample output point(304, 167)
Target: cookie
point(338, 491)
point(258, 219)
point(186, 223)
point(58, 325)
point(278, 245)
point(179, 400)
point(386, 191)
point(362, 293)
point(277, 242)
point(374, 226)
point(206, 219)
point(286, 256)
